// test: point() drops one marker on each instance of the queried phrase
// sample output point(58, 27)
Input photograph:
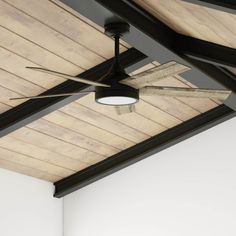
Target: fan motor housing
point(117, 90)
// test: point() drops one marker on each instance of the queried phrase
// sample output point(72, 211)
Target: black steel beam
point(228, 6)
point(31, 110)
point(206, 51)
point(143, 150)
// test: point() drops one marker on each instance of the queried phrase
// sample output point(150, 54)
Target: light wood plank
point(26, 170)
point(133, 119)
point(72, 137)
point(91, 131)
point(144, 68)
point(223, 18)
point(4, 107)
point(16, 65)
point(18, 84)
point(154, 113)
point(173, 106)
point(34, 163)
point(213, 22)
point(30, 28)
point(84, 19)
point(155, 74)
point(55, 145)
point(6, 94)
point(64, 22)
point(33, 151)
point(104, 122)
point(35, 53)
point(200, 104)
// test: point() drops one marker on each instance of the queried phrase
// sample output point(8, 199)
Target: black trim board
point(228, 6)
point(31, 110)
point(143, 150)
point(151, 37)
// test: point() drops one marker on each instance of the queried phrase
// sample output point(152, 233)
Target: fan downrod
point(117, 94)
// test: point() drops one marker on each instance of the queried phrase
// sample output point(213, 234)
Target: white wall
point(27, 207)
point(188, 189)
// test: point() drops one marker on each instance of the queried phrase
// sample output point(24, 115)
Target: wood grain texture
point(199, 104)
point(86, 20)
point(30, 28)
point(72, 137)
point(135, 121)
point(62, 21)
point(51, 35)
point(34, 163)
point(184, 92)
point(33, 151)
point(193, 20)
point(56, 145)
point(26, 170)
point(155, 74)
point(99, 120)
point(89, 130)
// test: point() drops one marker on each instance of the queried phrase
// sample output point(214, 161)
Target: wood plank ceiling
point(48, 34)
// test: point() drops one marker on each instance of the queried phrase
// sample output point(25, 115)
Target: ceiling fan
point(118, 89)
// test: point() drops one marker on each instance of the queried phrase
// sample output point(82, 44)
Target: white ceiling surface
point(188, 189)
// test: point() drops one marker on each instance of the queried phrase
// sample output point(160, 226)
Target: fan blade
point(70, 77)
point(120, 110)
point(185, 92)
point(155, 74)
point(50, 95)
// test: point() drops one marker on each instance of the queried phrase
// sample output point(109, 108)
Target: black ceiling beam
point(228, 6)
point(31, 110)
point(143, 150)
point(206, 51)
point(148, 35)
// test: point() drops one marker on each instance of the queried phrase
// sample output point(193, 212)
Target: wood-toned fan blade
point(50, 95)
point(120, 110)
point(70, 77)
point(184, 92)
point(155, 74)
